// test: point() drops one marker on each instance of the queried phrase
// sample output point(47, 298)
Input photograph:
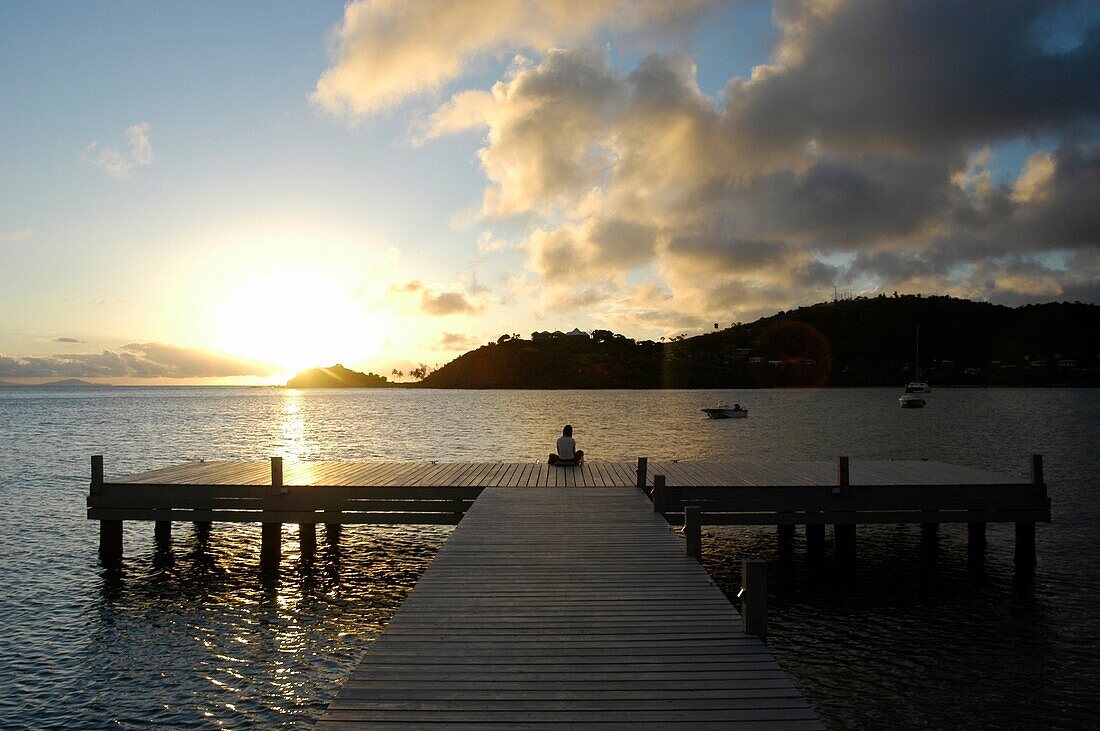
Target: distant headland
point(65, 383)
point(852, 342)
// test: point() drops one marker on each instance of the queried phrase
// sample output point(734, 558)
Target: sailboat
point(911, 400)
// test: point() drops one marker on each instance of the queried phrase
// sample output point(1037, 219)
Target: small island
point(337, 376)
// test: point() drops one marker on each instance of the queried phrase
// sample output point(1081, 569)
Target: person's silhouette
point(567, 453)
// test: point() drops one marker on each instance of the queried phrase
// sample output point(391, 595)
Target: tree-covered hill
point(863, 341)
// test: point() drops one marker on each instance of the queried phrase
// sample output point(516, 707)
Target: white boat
point(727, 412)
point(918, 387)
point(911, 401)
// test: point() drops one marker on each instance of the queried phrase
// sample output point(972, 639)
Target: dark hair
point(567, 431)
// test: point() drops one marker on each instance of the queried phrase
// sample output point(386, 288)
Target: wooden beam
point(643, 466)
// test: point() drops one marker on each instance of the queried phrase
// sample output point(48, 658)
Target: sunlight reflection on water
point(195, 637)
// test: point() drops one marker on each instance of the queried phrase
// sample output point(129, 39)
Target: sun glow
point(297, 320)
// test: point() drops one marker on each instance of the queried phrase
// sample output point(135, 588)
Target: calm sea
point(913, 636)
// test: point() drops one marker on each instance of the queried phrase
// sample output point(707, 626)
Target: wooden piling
point(815, 537)
point(271, 549)
point(928, 531)
point(754, 597)
point(975, 535)
point(110, 543)
point(162, 533)
point(277, 475)
point(785, 532)
point(845, 536)
point(693, 531)
point(643, 467)
point(307, 537)
point(659, 494)
point(1025, 532)
point(110, 531)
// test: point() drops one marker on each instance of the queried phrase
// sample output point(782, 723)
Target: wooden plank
point(565, 607)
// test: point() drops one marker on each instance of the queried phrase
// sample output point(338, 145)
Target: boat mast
point(916, 364)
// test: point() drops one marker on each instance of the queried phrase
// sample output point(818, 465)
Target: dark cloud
point(457, 342)
point(446, 303)
point(67, 340)
point(135, 360)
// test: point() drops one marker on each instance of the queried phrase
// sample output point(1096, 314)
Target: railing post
point(271, 532)
point(1025, 532)
point(1037, 469)
point(754, 597)
point(110, 531)
point(693, 531)
point(843, 533)
point(97, 474)
point(659, 494)
point(277, 474)
point(643, 467)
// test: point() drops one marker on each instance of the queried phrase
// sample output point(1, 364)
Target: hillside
point(859, 342)
point(337, 376)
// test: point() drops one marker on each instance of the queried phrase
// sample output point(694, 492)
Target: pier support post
point(1025, 545)
point(332, 533)
point(162, 533)
point(975, 537)
point(110, 543)
point(815, 537)
point(843, 533)
point(785, 531)
point(271, 549)
point(643, 467)
point(693, 531)
point(845, 536)
point(754, 597)
point(1025, 532)
point(110, 531)
point(307, 537)
point(928, 531)
point(659, 494)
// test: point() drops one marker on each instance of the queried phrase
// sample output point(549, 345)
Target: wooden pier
point(566, 607)
point(575, 605)
point(814, 494)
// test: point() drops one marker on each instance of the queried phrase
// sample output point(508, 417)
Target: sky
point(230, 192)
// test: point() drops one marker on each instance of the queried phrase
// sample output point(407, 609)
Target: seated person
point(567, 453)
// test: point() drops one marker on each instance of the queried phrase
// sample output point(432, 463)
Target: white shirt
point(567, 447)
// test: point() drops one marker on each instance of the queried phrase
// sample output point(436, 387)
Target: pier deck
point(567, 607)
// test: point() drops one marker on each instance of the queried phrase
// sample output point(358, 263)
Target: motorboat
point(912, 401)
point(918, 387)
point(726, 412)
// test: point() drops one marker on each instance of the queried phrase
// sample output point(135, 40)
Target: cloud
point(446, 303)
point(118, 163)
point(385, 51)
point(19, 234)
point(862, 152)
point(455, 342)
point(67, 340)
point(135, 360)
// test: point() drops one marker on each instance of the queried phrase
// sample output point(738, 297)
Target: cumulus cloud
point(135, 360)
point(118, 163)
point(387, 50)
point(862, 152)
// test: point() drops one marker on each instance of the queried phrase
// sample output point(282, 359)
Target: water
point(914, 636)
